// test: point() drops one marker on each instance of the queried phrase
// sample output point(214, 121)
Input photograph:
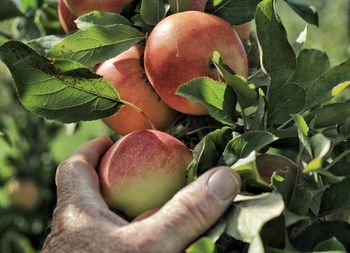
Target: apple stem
point(134, 107)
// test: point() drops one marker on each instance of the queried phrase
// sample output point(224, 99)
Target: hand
point(82, 221)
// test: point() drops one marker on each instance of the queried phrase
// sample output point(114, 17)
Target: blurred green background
point(31, 147)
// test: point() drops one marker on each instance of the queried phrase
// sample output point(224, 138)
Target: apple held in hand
point(180, 48)
point(128, 77)
point(81, 7)
point(142, 171)
point(66, 17)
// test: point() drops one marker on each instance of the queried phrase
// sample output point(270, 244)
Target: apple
point(23, 193)
point(180, 48)
point(128, 77)
point(243, 30)
point(81, 7)
point(142, 171)
point(66, 17)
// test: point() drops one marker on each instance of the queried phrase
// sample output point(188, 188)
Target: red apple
point(180, 48)
point(81, 7)
point(66, 17)
point(142, 171)
point(128, 77)
point(243, 30)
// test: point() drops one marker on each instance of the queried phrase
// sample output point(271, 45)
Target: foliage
point(285, 130)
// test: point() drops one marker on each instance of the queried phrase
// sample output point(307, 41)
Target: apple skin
point(24, 193)
point(128, 77)
point(66, 17)
point(180, 48)
point(81, 7)
point(142, 171)
point(243, 30)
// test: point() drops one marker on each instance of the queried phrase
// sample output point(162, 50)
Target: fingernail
point(224, 184)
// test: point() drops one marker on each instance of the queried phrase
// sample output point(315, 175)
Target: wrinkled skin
point(82, 221)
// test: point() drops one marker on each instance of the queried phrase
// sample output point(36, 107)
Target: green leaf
point(331, 244)
point(307, 12)
point(43, 45)
point(311, 63)
point(331, 114)
point(278, 58)
point(102, 19)
point(336, 197)
point(283, 182)
point(202, 245)
point(179, 5)
point(8, 10)
point(323, 87)
point(248, 170)
point(246, 94)
point(248, 216)
point(233, 11)
point(208, 151)
point(97, 44)
point(217, 230)
point(153, 11)
point(299, 40)
point(24, 5)
point(61, 90)
point(306, 192)
point(217, 97)
point(318, 232)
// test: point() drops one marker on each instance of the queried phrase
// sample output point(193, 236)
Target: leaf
point(278, 57)
point(8, 10)
point(248, 170)
point(97, 44)
point(233, 11)
point(246, 94)
point(322, 88)
point(179, 5)
point(306, 12)
point(217, 97)
point(43, 45)
point(208, 151)
point(283, 183)
point(102, 19)
point(248, 216)
point(331, 244)
point(278, 60)
point(336, 197)
point(299, 40)
point(25, 5)
point(153, 11)
point(202, 245)
point(305, 194)
point(311, 63)
point(331, 114)
point(61, 90)
point(307, 240)
point(242, 145)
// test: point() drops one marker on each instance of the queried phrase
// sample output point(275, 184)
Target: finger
point(193, 210)
point(78, 184)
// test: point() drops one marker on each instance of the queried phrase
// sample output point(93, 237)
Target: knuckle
point(196, 211)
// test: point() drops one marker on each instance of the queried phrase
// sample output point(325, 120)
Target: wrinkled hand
point(82, 221)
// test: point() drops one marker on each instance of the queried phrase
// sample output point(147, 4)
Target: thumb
point(194, 209)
